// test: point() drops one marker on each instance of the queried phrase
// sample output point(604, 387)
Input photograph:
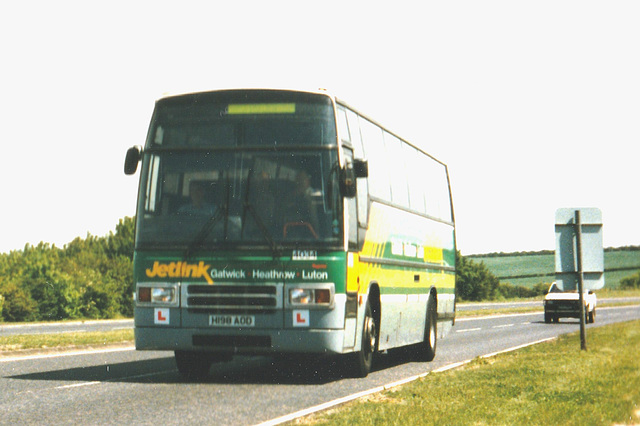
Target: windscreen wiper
point(204, 232)
point(248, 207)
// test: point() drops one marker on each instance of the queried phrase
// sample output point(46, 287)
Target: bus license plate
point(232, 320)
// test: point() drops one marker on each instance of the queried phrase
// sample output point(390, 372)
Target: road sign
point(573, 240)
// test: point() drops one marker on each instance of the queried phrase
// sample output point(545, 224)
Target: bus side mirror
point(361, 168)
point(348, 181)
point(349, 174)
point(134, 154)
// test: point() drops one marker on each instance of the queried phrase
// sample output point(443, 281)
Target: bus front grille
point(233, 298)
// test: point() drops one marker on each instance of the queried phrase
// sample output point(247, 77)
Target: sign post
point(579, 255)
point(580, 274)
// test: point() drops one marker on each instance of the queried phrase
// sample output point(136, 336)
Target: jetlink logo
point(180, 270)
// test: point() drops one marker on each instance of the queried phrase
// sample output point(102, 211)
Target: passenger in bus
point(198, 205)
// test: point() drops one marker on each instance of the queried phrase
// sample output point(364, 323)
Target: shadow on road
point(242, 370)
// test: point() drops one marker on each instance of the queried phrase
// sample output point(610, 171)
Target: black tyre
point(363, 359)
point(426, 351)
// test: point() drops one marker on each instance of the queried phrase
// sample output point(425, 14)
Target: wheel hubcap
point(432, 336)
point(370, 335)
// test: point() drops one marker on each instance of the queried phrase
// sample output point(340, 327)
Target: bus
point(282, 222)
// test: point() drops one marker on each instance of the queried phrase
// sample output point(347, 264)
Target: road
point(126, 386)
point(108, 325)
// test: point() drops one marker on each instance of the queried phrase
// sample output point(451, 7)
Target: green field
point(530, 269)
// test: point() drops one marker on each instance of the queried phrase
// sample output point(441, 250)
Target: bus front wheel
point(363, 359)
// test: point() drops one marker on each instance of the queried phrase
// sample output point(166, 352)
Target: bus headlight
point(301, 296)
point(161, 294)
point(320, 295)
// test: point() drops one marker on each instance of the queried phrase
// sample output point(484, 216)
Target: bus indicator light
point(144, 294)
point(323, 296)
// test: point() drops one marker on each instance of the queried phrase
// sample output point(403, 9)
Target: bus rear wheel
point(426, 351)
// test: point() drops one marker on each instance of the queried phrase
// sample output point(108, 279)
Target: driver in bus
point(198, 203)
point(301, 208)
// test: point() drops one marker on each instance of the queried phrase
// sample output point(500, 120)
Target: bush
point(18, 305)
point(630, 282)
point(510, 291)
point(88, 278)
point(474, 282)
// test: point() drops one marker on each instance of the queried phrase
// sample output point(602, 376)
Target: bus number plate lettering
point(232, 320)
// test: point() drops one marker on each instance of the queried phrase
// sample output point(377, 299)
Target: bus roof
point(319, 91)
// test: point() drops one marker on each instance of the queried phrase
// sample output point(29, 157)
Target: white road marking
point(503, 326)
point(77, 385)
point(137, 376)
point(466, 330)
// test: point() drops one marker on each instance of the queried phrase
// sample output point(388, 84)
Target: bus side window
point(438, 199)
point(153, 188)
point(377, 155)
point(362, 183)
point(343, 128)
point(417, 181)
point(397, 170)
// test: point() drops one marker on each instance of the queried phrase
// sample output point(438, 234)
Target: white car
point(566, 304)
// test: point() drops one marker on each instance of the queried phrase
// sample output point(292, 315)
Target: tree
point(474, 282)
point(121, 243)
point(88, 278)
point(18, 304)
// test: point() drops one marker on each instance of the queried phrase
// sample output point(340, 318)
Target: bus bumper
point(258, 342)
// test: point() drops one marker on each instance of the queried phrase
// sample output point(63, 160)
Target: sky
point(533, 106)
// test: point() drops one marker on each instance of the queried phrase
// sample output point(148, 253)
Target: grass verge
point(21, 342)
point(549, 383)
point(603, 294)
point(528, 309)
